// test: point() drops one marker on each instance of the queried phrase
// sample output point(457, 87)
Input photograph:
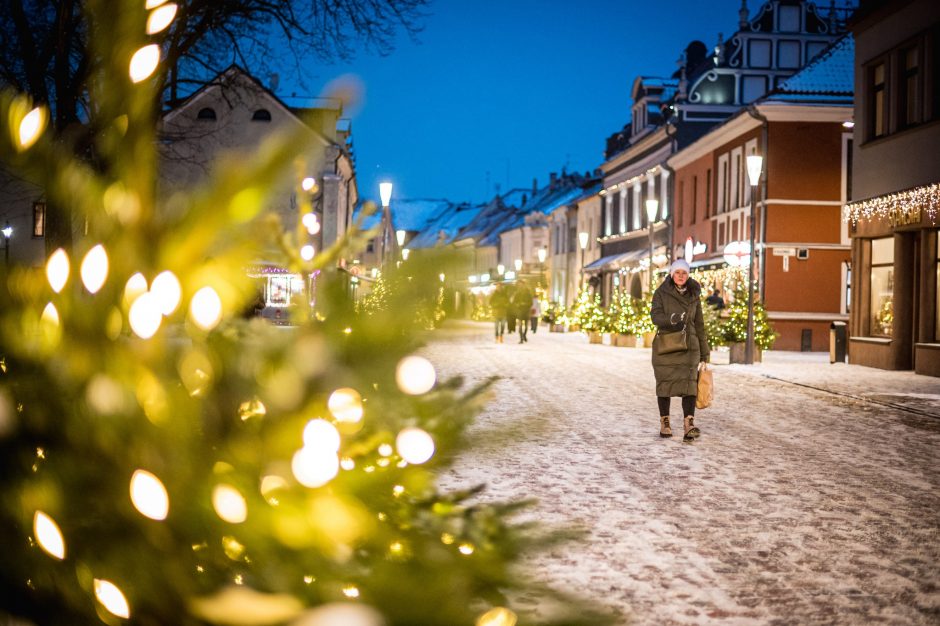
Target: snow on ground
point(811, 498)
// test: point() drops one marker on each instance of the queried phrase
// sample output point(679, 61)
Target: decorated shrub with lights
point(734, 326)
point(165, 461)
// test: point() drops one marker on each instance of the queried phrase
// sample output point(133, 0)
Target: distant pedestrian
point(535, 313)
point(499, 305)
point(520, 305)
point(715, 300)
point(675, 308)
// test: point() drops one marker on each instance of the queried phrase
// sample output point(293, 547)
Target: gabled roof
point(444, 227)
point(828, 78)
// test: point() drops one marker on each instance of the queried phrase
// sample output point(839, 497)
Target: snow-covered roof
point(827, 78)
point(442, 228)
point(409, 214)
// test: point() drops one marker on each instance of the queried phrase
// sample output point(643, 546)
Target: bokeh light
point(94, 268)
point(57, 270)
point(229, 504)
point(112, 598)
point(414, 445)
point(205, 309)
point(498, 616)
point(149, 495)
point(50, 315)
point(307, 252)
point(346, 405)
point(144, 62)
point(308, 184)
point(415, 375)
point(160, 18)
point(314, 467)
point(32, 126)
point(167, 291)
point(145, 316)
point(48, 535)
point(135, 286)
point(319, 434)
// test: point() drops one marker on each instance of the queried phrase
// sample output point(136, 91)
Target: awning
point(615, 262)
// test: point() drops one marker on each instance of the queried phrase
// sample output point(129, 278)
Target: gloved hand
point(702, 365)
point(674, 321)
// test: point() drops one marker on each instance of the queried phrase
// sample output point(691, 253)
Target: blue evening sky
point(498, 92)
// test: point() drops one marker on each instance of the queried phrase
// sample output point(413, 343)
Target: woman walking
point(676, 307)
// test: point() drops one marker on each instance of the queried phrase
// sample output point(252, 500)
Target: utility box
point(837, 342)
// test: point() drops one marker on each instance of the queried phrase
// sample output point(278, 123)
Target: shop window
point(882, 287)
point(39, 219)
point(936, 309)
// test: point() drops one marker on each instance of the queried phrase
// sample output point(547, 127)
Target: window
point(734, 184)
point(681, 209)
point(722, 184)
point(608, 217)
point(813, 48)
point(788, 55)
point(694, 200)
point(622, 203)
point(708, 192)
point(637, 208)
point(877, 113)
point(261, 115)
point(615, 213)
point(789, 19)
point(39, 219)
point(909, 88)
point(882, 287)
point(206, 113)
point(752, 88)
point(759, 53)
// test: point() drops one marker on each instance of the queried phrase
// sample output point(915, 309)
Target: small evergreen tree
point(734, 326)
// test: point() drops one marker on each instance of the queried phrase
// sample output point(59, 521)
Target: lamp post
point(7, 233)
point(518, 265)
point(652, 208)
point(385, 192)
point(583, 242)
point(755, 163)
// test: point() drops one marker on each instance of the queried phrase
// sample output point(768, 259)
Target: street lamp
point(385, 192)
point(652, 208)
point(755, 163)
point(404, 254)
point(518, 265)
point(7, 233)
point(583, 242)
point(542, 253)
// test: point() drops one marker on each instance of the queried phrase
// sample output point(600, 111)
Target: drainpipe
point(670, 232)
point(753, 112)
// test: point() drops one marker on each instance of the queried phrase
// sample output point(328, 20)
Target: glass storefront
point(882, 287)
point(936, 308)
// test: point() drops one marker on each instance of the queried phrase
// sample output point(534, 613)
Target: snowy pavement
point(812, 496)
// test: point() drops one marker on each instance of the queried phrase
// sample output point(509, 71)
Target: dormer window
point(639, 118)
point(206, 113)
point(261, 115)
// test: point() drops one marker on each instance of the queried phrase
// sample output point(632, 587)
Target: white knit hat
point(679, 264)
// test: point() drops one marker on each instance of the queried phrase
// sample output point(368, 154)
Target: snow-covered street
point(812, 497)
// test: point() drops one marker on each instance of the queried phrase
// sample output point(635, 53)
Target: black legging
point(688, 405)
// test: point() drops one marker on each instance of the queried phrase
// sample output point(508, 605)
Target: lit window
point(877, 111)
point(882, 287)
point(39, 219)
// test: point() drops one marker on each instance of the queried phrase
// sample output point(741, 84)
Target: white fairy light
point(94, 268)
point(50, 315)
point(57, 270)
point(314, 467)
point(229, 504)
point(167, 291)
point(319, 434)
point(160, 18)
point(145, 316)
point(414, 445)
point(48, 535)
point(206, 308)
point(308, 183)
point(112, 598)
point(415, 375)
point(307, 252)
point(346, 405)
point(144, 62)
point(135, 286)
point(498, 616)
point(149, 496)
point(31, 127)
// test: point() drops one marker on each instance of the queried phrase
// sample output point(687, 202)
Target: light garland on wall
point(905, 207)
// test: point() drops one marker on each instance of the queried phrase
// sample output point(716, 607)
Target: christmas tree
point(165, 461)
point(734, 326)
point(643, 323)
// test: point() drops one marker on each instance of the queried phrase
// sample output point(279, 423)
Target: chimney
point(552, 179)
point(535, 186)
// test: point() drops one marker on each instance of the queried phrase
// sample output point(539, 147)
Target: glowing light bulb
point(346, 405)
point(498, 616)
point(466, 549)
point(351, 591)
point(144, 62)
point(414, 445)
point(48, 535)
point(149, 496)
point(386, 450)
point(50, 315)
point(167, 291)
point(145, 316)
point(135, 286)
point(57, 270)
point(111, 598)
point(229, 504)
point(270, 485)
point(152, 4)
point(32, 126)
point(160, 18)
point(308, 183)
point(321, 435)
point(415, 375)
point(311, 223)
point(314, 467)
point(95, 268)
point(307, 252)
point(205, 309)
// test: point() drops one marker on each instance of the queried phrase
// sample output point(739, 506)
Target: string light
point(229, 504)
point(57, 270)
point(160, 18)
point(94, 269)
point(904, 207)
point(48, 535)
point(111, 598)
point(149, 496)
point(32, 126)
point(414, 445)
point(205, 309)
point(499, 616)
point(167, 291)
point(144, 62)
point(346, 405)
point(415, 375)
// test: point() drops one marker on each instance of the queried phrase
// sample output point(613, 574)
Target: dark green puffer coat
point(677, 373)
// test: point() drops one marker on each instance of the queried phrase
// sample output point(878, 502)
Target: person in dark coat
point(676, 305)
point(499, 304)
point(716, 300)
point(520, 305)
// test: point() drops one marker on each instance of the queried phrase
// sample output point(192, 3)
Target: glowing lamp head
point(400, 237)
point(542, 254)
point(583, 239)
point(755, 163)
point(652, 208)
point(385, 192)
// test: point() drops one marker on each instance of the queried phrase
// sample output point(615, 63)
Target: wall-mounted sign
point(737, 253)
point(694, 248)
